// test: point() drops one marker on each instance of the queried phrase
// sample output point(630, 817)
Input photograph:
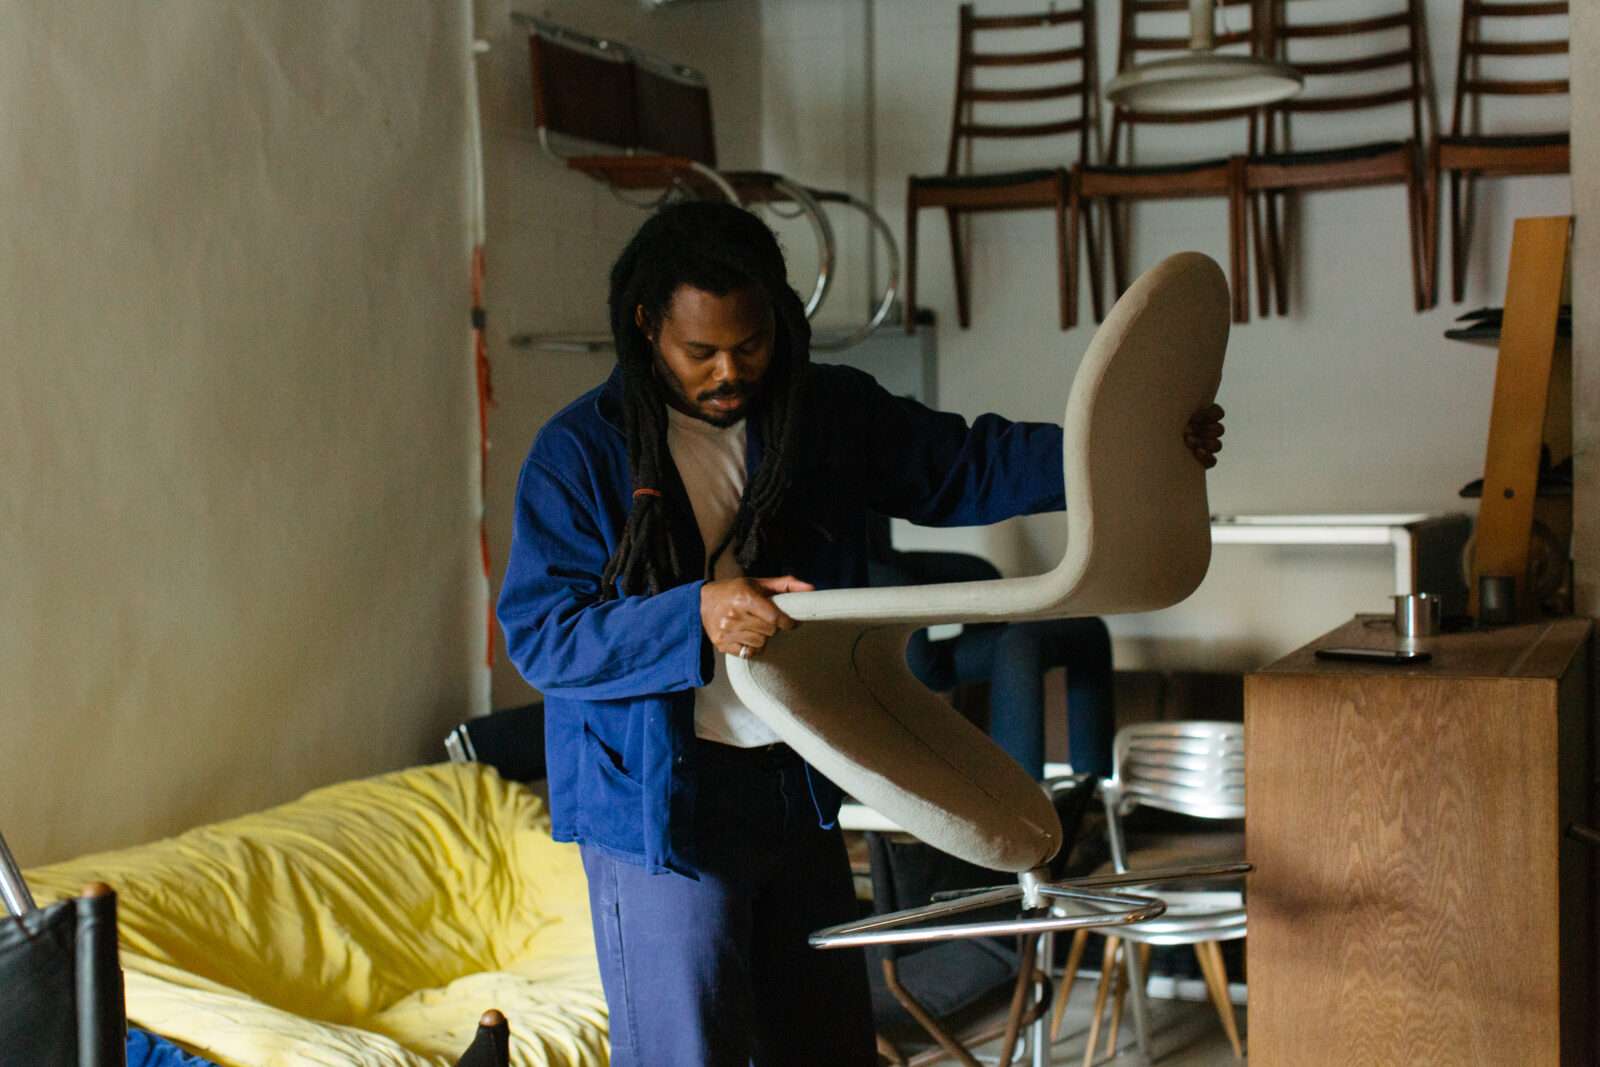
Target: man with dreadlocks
point(656, 516)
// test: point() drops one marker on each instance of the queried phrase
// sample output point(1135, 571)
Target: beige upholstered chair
point(837, 688)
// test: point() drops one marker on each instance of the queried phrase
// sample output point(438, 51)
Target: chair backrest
point(510, 740)
point(1491, 59)
point(63, 1002)
point(1343, 59)
point(673, 105)
point(1068, 78)
point(583, 87)
point(1138, 520)
point(1150, 30)
point(1192, 768)
point(617, 99)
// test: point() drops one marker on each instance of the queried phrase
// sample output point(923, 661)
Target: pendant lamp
point(1202, 80)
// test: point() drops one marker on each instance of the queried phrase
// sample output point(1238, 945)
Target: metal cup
point(1497, 599)
point(1417, 614)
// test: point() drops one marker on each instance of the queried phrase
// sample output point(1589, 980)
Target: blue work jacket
point(619, 676)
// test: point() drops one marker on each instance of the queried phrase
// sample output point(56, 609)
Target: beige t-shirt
point(711, 462)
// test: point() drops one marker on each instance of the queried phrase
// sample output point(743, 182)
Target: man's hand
point(738, 614)
point(1203, 435)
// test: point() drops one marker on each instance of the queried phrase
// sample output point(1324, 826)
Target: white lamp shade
point(1203, 81)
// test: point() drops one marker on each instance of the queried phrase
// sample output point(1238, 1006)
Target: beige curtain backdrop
point(238, 496)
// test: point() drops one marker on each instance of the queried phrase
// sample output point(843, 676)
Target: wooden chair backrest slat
point(1024, 129)
point(1139, 41)
point(1024, 22)
point(1474, 79)
point(1056, 31)
point(1477, 10)
point(1024, 59)
point(1364, 45)
point(1042, 92)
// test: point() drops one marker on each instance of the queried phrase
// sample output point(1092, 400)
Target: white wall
point(553, 233)
point(1352, 403)
point(237, 517)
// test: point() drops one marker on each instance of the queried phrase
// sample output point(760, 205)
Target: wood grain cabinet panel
point(1416, 899)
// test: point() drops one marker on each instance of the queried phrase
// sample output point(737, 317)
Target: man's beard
point(672, 389)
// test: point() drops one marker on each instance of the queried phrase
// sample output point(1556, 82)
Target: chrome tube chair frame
point(637, 121)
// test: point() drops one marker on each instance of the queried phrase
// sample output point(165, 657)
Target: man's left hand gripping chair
point(838, 690)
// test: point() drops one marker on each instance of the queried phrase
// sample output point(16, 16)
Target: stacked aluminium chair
point(837, 688)
point(1356, 66)
point(1060, 102)
point(1493, 64)
point(638, 122)
point(1194, 769)
point(1150, 29)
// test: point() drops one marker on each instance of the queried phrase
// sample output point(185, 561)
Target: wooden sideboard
point(1416, 899)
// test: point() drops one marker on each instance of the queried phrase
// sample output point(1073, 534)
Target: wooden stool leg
point(1119, 996)
point(908, 295)
point(959, 264)
point(1069, 973)
point(1108, 977)
point(1216, 974)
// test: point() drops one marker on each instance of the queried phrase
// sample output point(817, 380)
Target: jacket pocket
point(612, 800)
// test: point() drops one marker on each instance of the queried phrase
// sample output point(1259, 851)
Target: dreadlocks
point(718, 248)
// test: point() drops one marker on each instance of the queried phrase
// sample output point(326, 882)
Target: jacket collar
point(608, 402)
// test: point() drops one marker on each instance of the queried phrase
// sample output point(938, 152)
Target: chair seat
point(1156, 168)
point(1509, 140)
point(1317, 157)
point(986, 181)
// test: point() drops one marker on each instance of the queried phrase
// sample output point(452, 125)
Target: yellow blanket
point(368, 923)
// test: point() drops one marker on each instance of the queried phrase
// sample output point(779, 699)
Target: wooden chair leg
point(1216, 974)
point(1414, 209)
point(1458, 237)
point(908, 294)
point(1066, 261)
point(1430, 227)
point(959, 264)
point(1117, 237)
point(1264, 259)
point(1108, 977)
point(1238, 252)
point(1069, 974)
point(1091, 249)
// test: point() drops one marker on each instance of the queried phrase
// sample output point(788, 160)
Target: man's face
point(712, 352)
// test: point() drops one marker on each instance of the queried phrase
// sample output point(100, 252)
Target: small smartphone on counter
point(1392, 656)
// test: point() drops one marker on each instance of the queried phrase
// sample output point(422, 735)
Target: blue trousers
point(1012, 658)
point(716, 972)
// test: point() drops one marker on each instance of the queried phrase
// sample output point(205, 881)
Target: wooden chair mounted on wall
point(1119, 179)
point(1370, 48)
point(960, 192)
point(1468, 152)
